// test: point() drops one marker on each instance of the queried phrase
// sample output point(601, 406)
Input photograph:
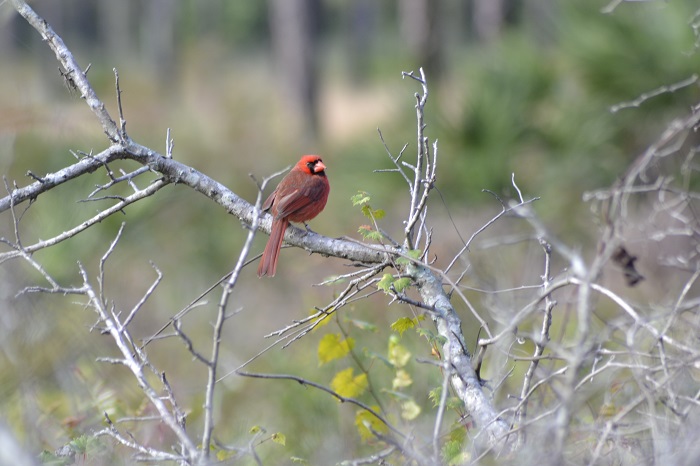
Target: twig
point(123, 341)
point(418, 199)
point(143, 299)
point(654, 93)
point(446, 376)
point(338, 396)
point(122, 121)
point(151, 453)
point(541, 343)
point(218, 326)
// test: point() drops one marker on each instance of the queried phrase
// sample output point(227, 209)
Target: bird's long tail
point(268, 262)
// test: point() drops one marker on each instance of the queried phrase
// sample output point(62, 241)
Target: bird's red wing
point(293, 202)
point(269, 201)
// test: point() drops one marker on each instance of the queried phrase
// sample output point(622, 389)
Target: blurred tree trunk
point(488, 17)
point(158, 37)
point(539, 17)
point(360, 36)
point(420, 27)
point(8, 33)
point(114, 21)
point(294, 30)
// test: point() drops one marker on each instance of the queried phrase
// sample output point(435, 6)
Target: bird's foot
point(308, 230)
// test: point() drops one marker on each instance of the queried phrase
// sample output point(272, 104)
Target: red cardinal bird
point(300, 196)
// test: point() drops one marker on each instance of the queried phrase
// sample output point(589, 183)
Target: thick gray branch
point(464, 379)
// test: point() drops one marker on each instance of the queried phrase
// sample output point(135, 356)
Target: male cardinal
point(300, 196)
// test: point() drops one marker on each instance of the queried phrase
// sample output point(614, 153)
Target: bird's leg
point(308, 230)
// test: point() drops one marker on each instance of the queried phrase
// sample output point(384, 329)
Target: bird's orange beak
point(319, 166)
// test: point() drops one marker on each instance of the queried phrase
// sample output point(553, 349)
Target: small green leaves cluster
point(453, 449)
point(390, 285)
point(84, 447)
point(368, 232)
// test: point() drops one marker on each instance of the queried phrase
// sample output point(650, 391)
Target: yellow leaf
point(402, 324)
point(332, 346)
point(367, 422)
point(385, 283)
point(321, 320)
point(280, 438)
point(346, 384)
point(398, 354)
point(223, 455)
point(256, 429)
point(607, 410)
point(402, 380)
point(410, 410)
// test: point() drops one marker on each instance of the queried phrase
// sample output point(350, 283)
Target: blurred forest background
point(517, 86)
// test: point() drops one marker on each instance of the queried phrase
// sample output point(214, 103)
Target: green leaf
point(412, 254)
point(360, 198)
point(80, 444)
point(49, 459)
point(332, 346)
point(433, 339)
point(346, 384)
point(434, 396)
point(403, 324)
point(296, 459)
point(385, 283)
point(453, 450)
point(368, 233)
point(458, 434)
point(374, 235)
point(452, 402)
point(401, 284)
point(378, 214)
point(279, 438)
point(367, 422)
